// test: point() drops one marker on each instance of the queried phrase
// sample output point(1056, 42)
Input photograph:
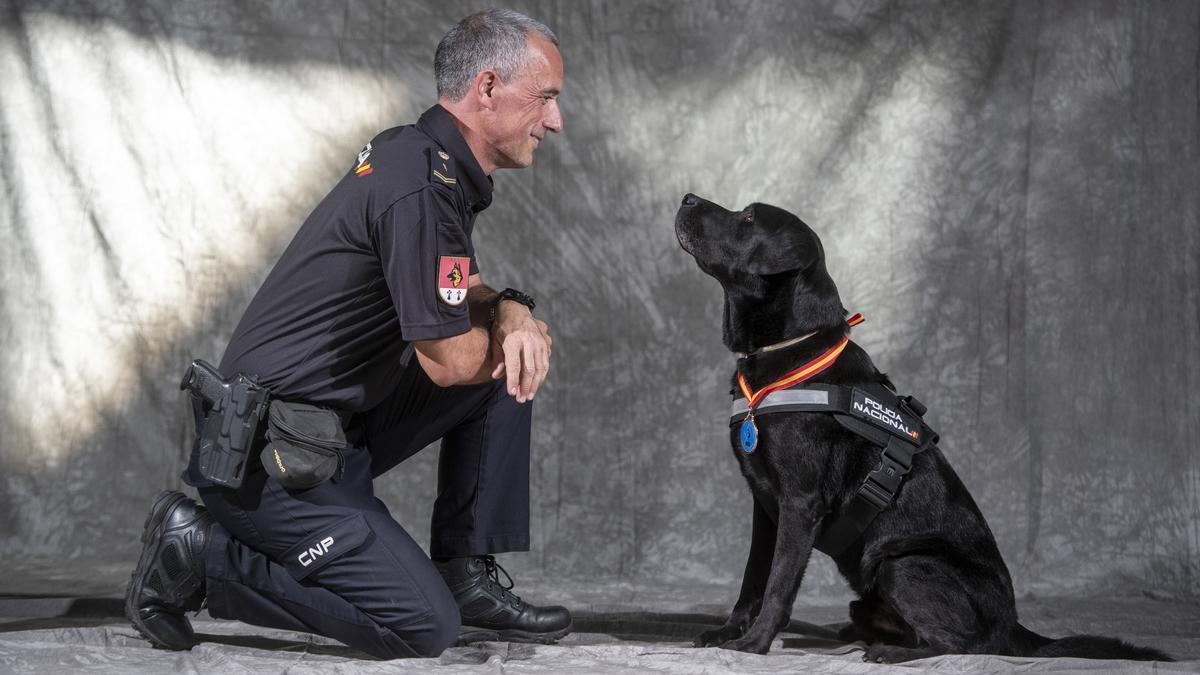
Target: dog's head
point(771, 266)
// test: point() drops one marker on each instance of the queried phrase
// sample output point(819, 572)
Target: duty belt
point(894, 423)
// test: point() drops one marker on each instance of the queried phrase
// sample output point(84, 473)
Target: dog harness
point(873, 411)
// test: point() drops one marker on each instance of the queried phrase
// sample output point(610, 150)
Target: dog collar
point(777, 345)
point(748, 435)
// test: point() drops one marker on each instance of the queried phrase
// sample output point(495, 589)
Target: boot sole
point(151, 547)
point(471, 634)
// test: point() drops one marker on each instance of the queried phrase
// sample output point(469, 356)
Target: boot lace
point(493, 570)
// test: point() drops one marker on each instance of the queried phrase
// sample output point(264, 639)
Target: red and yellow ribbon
point(805, 372)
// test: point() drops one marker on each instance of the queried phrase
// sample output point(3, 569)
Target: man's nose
point(553, 120)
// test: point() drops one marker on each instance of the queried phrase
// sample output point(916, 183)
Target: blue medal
point(748, 436)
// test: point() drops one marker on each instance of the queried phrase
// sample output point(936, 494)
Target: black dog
point(926, 569)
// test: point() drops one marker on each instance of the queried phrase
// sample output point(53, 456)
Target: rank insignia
point(452, 279)
point(439, 169)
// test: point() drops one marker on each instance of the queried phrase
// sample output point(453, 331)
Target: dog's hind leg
point(754, 581)
point(872, 620)
point(796, 531)
point(950, 610)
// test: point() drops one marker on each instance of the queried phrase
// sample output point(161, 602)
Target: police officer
point(376, 311)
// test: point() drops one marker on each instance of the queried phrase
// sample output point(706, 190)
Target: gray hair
point(493, 38)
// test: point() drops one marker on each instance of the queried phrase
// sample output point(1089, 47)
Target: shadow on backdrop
point(1016, 176)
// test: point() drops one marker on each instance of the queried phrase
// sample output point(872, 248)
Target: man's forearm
point(467, 358)
point(483, 353)
point(481, 333)
point(480, 299)
point(462, 359)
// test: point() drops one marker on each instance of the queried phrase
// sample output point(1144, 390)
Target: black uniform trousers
point(331, 560)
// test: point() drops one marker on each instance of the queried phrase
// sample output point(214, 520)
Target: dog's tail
point(1029, 643)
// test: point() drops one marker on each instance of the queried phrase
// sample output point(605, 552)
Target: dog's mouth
point(686, 242)
point(689, 221)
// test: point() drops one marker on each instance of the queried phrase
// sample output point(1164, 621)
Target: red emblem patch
point(453, 279)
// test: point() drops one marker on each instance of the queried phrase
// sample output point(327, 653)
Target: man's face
point(527, 107)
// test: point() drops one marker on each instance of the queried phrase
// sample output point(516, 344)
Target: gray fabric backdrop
point(1007, 190)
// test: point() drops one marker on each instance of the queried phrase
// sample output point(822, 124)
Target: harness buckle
point(875, 495)
point(914, 406)
point(883, 482)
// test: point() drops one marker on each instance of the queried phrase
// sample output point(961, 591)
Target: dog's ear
point(782, 242)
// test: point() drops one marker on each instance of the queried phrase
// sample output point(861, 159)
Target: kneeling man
point(375, 316)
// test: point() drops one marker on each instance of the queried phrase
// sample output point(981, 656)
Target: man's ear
point(485, 85)
point(790, 247)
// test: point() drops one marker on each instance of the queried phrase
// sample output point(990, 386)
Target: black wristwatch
point(514, 295)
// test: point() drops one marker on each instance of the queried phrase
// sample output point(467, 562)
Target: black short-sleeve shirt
point(382, 261)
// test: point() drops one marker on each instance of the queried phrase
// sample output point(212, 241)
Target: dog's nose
point(690, 199)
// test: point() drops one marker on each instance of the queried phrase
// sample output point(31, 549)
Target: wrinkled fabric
point(117, 650)
point(1005, 189)
point(609, 642)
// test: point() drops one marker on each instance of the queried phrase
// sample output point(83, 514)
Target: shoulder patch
point(363, 168)
point(453, 281)
point(439, 168)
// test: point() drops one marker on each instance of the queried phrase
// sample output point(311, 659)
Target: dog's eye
point(748, 218)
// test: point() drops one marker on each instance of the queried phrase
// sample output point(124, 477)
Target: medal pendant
point(748, 436)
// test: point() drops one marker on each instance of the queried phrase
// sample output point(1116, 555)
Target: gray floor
point(66, 618)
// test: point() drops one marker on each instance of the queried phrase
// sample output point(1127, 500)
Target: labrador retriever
point(928, 574)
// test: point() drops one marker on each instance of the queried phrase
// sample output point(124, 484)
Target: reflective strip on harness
point(783, 397)
point(871, 408)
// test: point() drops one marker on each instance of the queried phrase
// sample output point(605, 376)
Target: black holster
point(233, 410)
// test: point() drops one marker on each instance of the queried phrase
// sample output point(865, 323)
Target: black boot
point(169, 578)
point(490, 612)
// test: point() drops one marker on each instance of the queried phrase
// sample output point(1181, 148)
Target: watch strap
point(514, 295)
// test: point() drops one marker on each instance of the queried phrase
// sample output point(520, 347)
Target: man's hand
point(524, 349)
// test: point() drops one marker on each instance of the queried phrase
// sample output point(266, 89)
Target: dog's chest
point(761, 467)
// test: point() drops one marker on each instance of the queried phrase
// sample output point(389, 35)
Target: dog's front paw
point(714, 638)
point(748, 644)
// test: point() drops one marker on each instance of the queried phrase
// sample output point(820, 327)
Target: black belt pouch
point(304, 444)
